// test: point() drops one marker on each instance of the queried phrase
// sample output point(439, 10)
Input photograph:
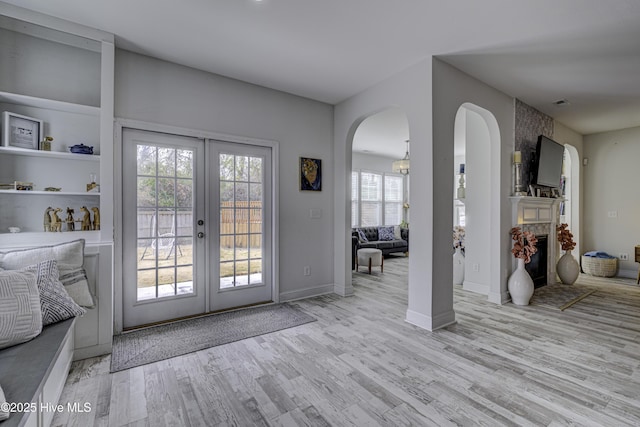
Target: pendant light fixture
point(402, 165)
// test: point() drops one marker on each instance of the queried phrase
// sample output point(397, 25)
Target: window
point(376, 198)
point(393, 189)
point(370, 199)
point(355, 194)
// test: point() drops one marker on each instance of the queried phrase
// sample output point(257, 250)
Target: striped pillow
point(20, 313)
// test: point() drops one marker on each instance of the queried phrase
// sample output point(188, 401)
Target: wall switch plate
point(476, 267)
point(315, 213)
point(307, 270)
point(624, 257)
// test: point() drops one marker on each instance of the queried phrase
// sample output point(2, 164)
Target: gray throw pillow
point(68, 255)
point(55, 302)
point(20, 313)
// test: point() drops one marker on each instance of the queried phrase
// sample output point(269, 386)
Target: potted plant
point(458, 255)
point(520, 284)
point(567, 267)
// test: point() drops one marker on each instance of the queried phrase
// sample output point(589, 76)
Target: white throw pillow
point(70, 259)
point(77, 286)
point(3, 414)
point(396, 232)
point(20, 312)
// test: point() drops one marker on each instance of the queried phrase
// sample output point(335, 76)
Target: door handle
point(200, 222)
point(200, 235)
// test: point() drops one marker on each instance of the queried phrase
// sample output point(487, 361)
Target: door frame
point(119, 125)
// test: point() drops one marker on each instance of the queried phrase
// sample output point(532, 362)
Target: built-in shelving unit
point(61, 73)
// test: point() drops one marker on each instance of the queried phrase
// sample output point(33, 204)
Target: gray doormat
point(560, 296)
point(156, 343)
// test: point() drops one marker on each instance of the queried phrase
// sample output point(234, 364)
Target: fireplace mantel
point(540, 215)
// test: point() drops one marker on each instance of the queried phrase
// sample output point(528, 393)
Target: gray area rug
point(161, 342)
point(560, 296)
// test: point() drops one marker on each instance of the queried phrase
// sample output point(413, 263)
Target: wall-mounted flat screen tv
point(548, 164)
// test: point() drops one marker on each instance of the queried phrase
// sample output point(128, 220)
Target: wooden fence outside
point(245, 222)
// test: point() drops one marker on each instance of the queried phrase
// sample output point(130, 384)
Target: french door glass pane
point(241, 218)
point(165, 222)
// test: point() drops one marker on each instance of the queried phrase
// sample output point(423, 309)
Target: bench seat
point(36, 371)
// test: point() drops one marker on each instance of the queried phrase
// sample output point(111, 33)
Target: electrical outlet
point(624, 257)
point(476, 267)
point(307, 270)
point(612, 214)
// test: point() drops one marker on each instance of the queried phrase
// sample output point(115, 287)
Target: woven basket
point(601, 267)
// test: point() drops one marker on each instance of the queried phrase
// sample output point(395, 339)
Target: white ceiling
point(587, 51)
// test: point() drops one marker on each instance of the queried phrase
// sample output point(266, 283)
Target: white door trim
point(119, 125)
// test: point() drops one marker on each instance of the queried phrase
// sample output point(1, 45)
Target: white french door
point(163, 262)
point(240, 260)
point(197, 227)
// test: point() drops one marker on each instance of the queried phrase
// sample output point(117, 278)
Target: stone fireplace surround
point(539, 215)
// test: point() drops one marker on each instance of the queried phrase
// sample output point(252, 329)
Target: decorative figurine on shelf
point(71, 225)
point(96, 218)
point(86, 219)
point(56, 223)
point(92, 186)
point(45, 144)
point(47, 219)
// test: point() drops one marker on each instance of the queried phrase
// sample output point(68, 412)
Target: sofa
point(387, 247)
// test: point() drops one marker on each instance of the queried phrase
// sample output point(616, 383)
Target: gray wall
point(452, 89)
point(609, 180)
point(152, 90)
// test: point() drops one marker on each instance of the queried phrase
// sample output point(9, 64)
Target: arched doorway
point(374, 142)
point(570, 211)
point(477, 146)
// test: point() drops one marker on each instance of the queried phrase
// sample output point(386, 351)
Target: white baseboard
point(499, 298)
point(629, 274)
point(342, 290)
point(307, 292)
point(475, 287)
point(430, 323)
point(92, 351)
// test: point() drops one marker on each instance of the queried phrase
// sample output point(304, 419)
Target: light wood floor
point(361, 364)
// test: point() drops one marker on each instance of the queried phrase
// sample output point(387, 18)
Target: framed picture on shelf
point(310, 174)
point(21, 131)
point(555, 192)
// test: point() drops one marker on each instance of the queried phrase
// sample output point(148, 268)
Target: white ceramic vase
point(458, 267)
point(568, 269)
point(520, 285)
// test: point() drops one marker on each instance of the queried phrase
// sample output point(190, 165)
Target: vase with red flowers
point(520, 283)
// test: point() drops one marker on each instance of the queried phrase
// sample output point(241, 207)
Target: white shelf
point(50, 193)
point(49, 104)
point(50, 154)
point(27, 239)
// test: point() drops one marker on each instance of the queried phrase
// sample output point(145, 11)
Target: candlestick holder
point(460, 194)
point(518, 186)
